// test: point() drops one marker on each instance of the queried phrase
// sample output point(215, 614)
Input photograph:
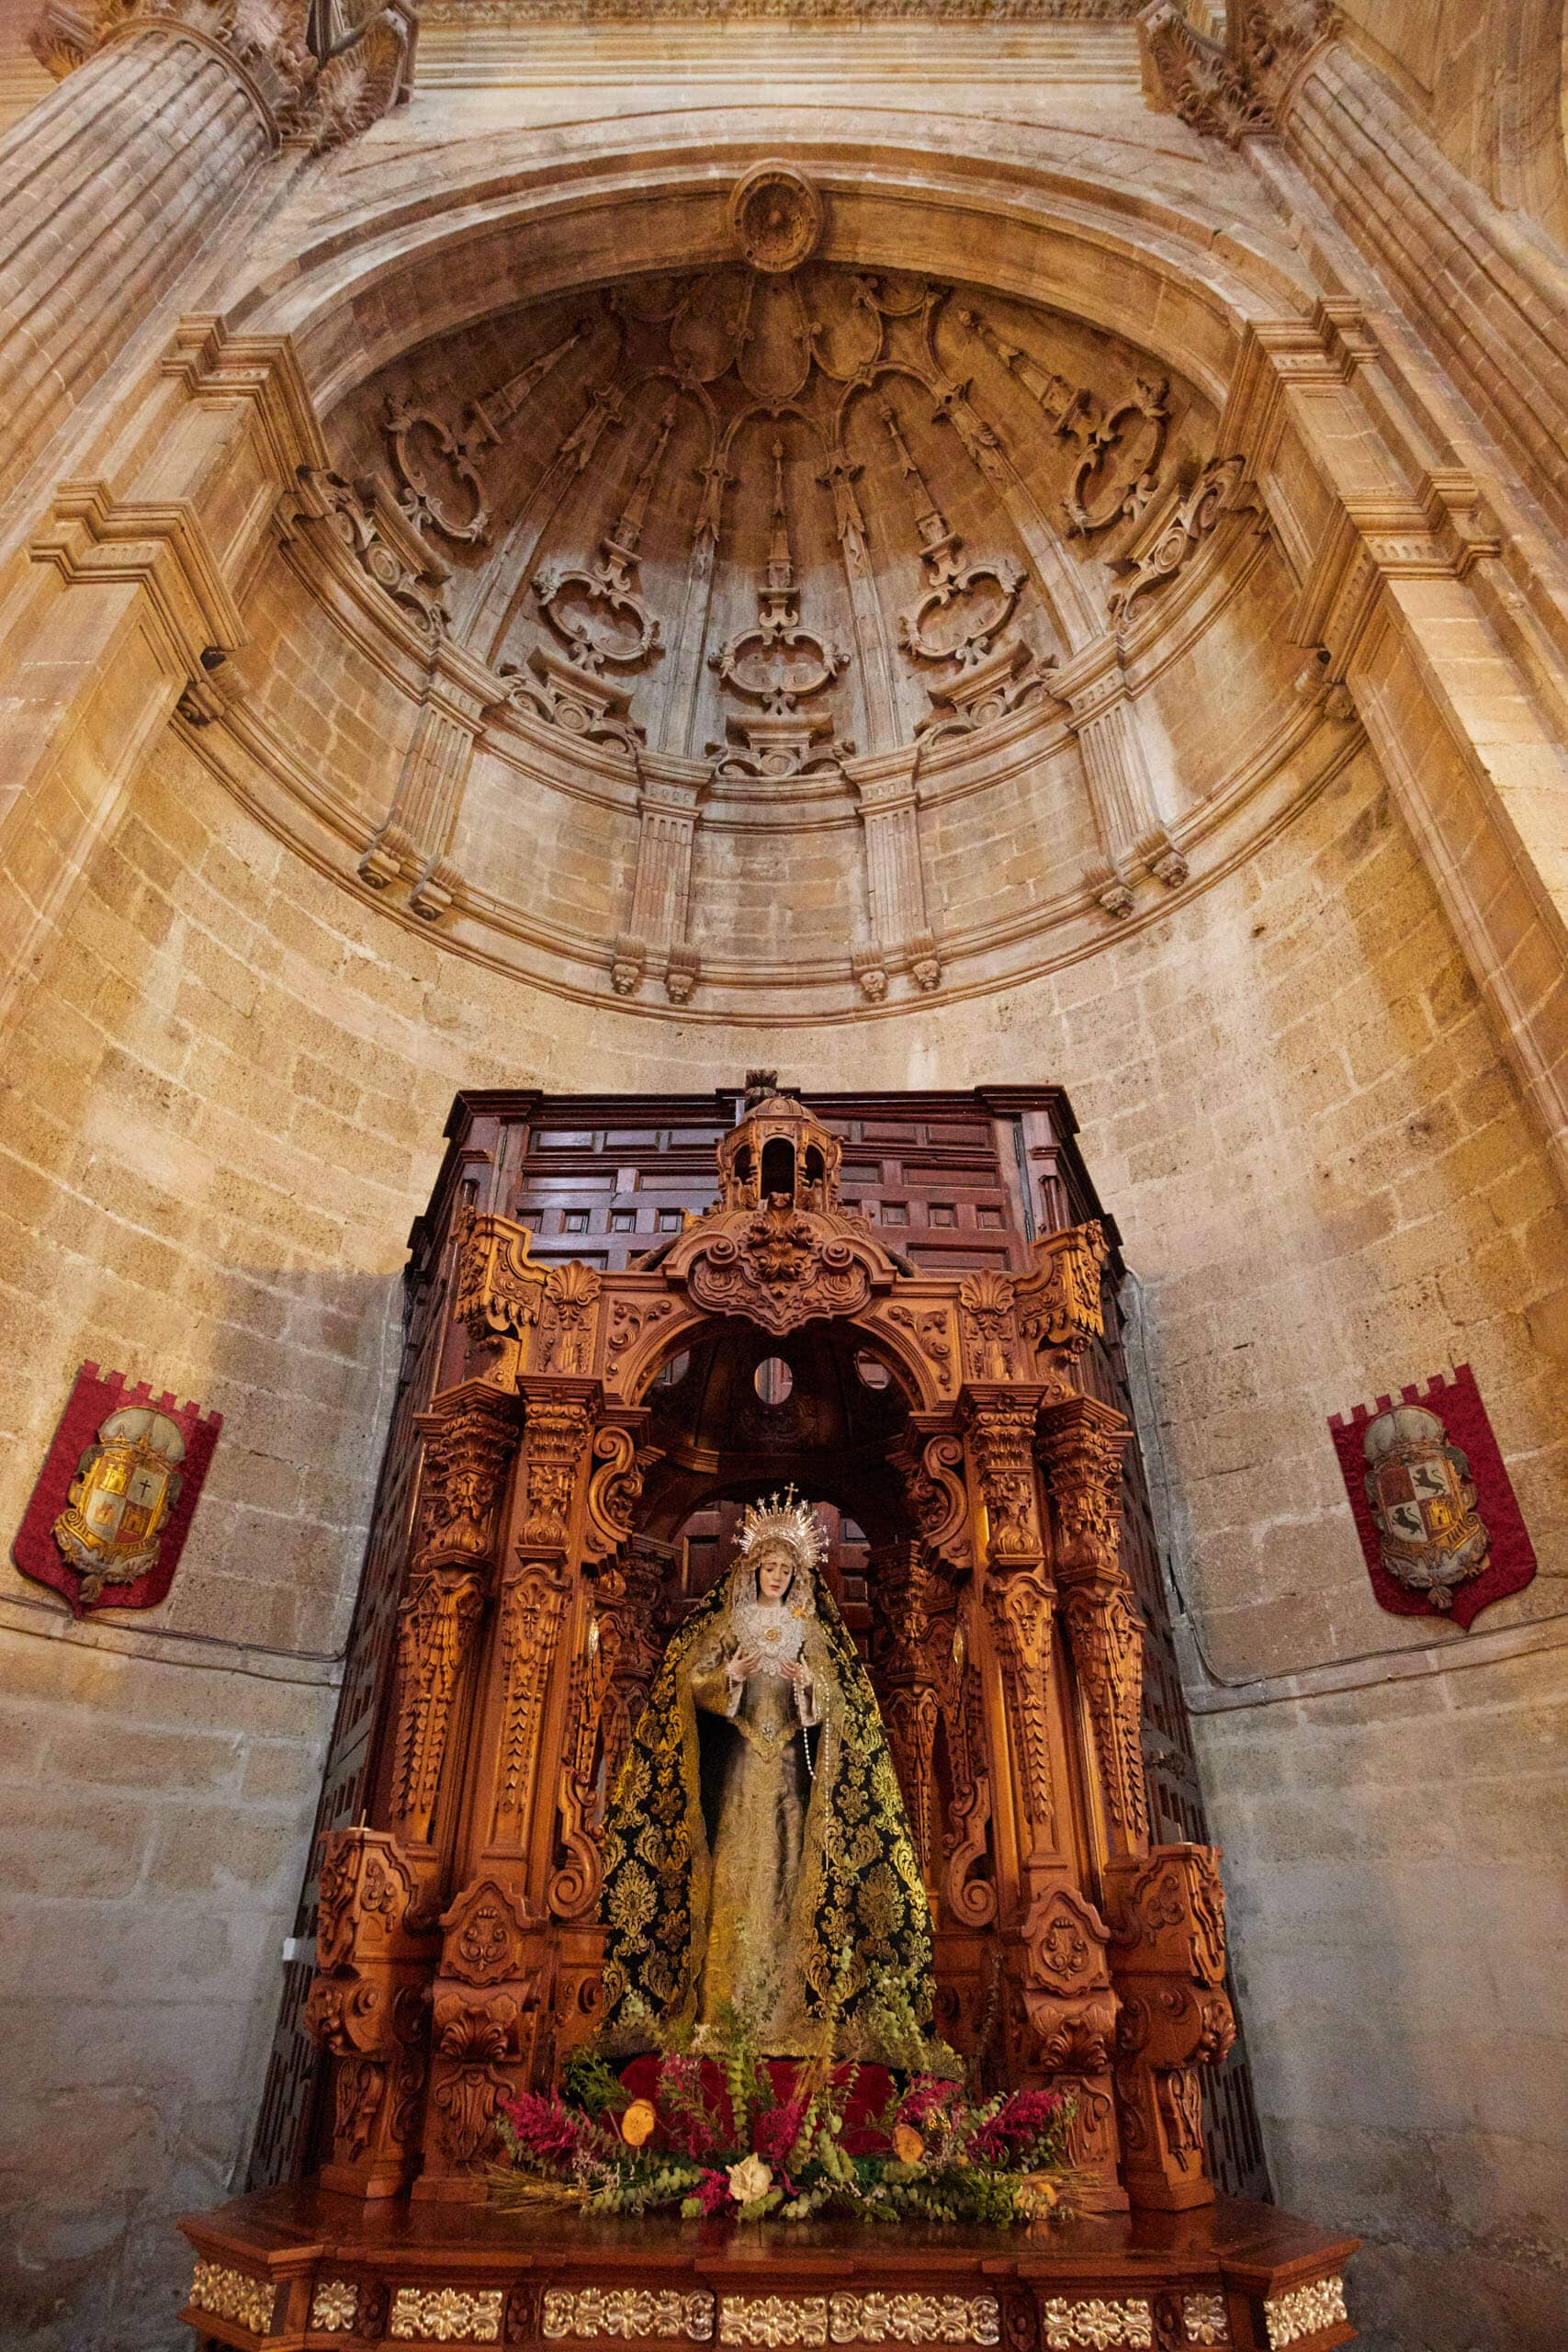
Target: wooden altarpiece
point(458, 1954)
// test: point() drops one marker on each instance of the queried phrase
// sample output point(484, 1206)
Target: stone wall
point(227, 1102)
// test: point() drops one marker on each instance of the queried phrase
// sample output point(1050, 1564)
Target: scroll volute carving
point(1059, 1301)
point(617, 1655)
point(926, 1654)
point(375, 1947)
point(485, 2006)
point(1081, 1443)
point(1066, 2013)
point(499, 1294)
point(1169, 1965)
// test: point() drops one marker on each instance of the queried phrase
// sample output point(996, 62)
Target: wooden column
point(382, 1889)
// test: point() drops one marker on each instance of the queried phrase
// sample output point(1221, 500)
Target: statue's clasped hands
point(744, 1665)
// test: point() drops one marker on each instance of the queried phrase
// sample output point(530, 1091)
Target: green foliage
point(589, 2082)
point(951, 2168)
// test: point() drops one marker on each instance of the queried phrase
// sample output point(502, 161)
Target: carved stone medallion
point(777, 217)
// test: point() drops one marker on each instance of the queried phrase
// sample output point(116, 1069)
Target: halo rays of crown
point(784, 1519)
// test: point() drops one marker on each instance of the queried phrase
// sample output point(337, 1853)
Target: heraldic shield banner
point(115, 1498)
point(1435, 1510)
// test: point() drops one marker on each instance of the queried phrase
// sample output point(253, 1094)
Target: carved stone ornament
point(1218, 490)
point(419, 502)
point(777, 217)
point(324, 75)
point(383, 546)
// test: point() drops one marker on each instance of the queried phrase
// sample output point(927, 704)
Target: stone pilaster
point(1116, 776)
point(655, 936)
point(895, 876)
point(412, 842)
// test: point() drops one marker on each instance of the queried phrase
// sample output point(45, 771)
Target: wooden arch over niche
point(458, 1956)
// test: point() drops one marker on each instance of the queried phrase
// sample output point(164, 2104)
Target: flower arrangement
point(727, 2133)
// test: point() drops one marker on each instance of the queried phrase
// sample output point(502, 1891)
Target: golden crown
point(784, 1519)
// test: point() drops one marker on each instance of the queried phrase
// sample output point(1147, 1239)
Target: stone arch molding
point(1106, 811)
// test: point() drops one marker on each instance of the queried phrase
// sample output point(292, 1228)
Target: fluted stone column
point(108, 188)
point(1490, 297)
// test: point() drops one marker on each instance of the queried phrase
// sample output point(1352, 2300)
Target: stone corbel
point(412, 843)
point(375, 1945)
point(1168, 1967)
point(1116, 778)
point(895, 886)
point(669, 806)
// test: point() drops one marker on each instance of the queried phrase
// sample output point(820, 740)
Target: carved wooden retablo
point(585, 1416)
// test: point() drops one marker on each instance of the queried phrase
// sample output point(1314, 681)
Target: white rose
point(748, 2180)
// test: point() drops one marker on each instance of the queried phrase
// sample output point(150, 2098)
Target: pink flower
point(1018, 2124)
point(546, 2132)
point(775, 2131)
point(925, 2098)
point(712, 2192)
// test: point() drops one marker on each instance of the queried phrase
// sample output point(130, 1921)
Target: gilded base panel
point(298, 2270)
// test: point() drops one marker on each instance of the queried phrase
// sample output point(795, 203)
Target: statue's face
point(776, 1572)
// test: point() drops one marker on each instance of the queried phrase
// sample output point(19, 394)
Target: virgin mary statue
point(756, 1855)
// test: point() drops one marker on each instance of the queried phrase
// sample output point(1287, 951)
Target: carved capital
point(930, 1465)
point(555, 1442)
point(470, 1435)
point(1000, 1427)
